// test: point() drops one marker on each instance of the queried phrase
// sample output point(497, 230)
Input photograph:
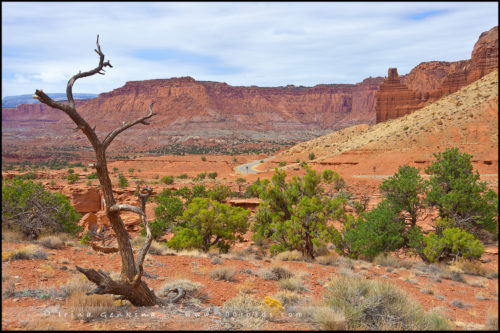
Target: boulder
point(84, 200)
point(89, 222)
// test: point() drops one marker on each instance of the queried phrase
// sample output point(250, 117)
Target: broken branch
point(110, 137)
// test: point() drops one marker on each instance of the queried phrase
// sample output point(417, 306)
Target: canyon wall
point(188, 109)
point(429, 81)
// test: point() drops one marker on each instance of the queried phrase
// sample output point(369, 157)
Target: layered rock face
point(187, 108)
point(394, 99)
point(430, 81)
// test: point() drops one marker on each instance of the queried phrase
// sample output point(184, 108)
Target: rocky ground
point(467, 302)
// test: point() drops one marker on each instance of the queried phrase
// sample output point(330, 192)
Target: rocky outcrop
point(89, 222)
point(394, 99)
point(484, 57)
point(430, 81)
point(84, 200)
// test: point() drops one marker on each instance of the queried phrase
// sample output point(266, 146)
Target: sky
point(241, 43)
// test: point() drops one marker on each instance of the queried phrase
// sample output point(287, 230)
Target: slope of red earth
point(17, 312)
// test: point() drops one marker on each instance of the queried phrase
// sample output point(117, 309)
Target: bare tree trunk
point(130, 286)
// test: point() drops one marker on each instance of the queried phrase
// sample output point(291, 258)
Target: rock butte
point(430, 81)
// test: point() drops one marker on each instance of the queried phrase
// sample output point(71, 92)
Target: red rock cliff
point(394, 99)
point(186, 107)
point(429, 81)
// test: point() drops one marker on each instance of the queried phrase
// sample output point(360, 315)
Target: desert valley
point(297, 177)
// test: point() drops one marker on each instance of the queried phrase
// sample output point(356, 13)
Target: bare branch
point(125, 207)
point(103, 249)
point(110, 137)
point(144, 194)
point(97, 70)
point(71, 112)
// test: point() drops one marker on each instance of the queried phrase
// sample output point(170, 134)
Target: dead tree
point(130, 286)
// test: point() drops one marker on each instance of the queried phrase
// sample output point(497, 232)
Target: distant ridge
point(13, 101)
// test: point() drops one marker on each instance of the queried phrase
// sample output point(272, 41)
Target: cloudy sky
point(249, 43)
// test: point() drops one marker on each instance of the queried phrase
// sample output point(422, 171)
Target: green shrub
point(402, 192)
point(92, 175)
point(122, 181)
point(207, 223)
point(219, 193)
point(455, 243)
point(212, 175)
point(72, 178)
point(26, 206)
point(203, 158)
point(282, 163)
point(182, 176)
point(456, 191)
point(168, 180)
point(379, 230)
point(294, 214)
point(130, 170)
point(200, 176)
point(70, 171)
point(311, 156)
point(166, 211)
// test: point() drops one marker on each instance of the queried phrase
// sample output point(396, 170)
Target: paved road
point(250, 167)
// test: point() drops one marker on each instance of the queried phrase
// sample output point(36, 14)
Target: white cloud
point(267, 43)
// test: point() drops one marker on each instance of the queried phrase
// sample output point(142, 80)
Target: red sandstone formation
point(191, 111)
point(430, 81)
point(394, 99)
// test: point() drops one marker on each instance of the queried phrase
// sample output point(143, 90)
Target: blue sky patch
point(426, 14)
point(211, 64)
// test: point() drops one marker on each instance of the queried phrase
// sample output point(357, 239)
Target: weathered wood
point(130, 286)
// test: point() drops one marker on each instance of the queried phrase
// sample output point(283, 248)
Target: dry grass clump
point(156, 248)
point(451, 274)
point(275, 273)
point(458, 303)
point(243, 304)
point(192, 253)
point(13, 236)
point(386, 260)
point(332, 259)
point(288, 297)
point(78, 283)
point(375, 305)
point(223, 273)
point(492, 322)
point(482, 296)
point(89, 307)
point(475, 267)
point(49, 323)
point(28, 252)
point(159, 249)
point(237, 254)
point(290, 256)
point(329, 319)
point(216, 261)
point(347, 262)
point(480, 283)
point(192, 289)
point(292, 284)
point(9, 290)
point(51, 242)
